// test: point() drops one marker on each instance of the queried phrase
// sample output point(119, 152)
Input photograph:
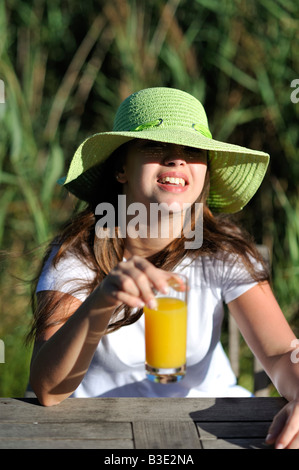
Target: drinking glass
point(166, 333)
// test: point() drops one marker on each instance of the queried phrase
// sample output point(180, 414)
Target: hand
point(284, 430)
point(132, 282)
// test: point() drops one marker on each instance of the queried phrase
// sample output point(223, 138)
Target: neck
point(153, 236)
point(141, 247)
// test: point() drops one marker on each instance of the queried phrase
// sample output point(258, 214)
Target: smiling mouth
point(172, 181)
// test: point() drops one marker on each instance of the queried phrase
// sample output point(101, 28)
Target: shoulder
point(225, 272)
point(69, 272)
point(69, 261)
point(218, 264)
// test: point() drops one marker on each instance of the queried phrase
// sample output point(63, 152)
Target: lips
point(173, 178)
point(174, 182)
point(168, 179)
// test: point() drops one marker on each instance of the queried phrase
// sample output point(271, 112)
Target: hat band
point(197, 127)
point(147, 125)
point(203, 130)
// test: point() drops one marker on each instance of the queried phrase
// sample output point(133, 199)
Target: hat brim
point(235, 172)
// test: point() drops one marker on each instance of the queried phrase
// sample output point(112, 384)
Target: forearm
point(285, 376)
point(61, 362)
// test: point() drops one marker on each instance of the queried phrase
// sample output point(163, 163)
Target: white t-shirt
point(117, 368)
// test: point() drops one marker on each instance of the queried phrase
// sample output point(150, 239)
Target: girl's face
point(156, 172)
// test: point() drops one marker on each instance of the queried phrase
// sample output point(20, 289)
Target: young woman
point(88, 323)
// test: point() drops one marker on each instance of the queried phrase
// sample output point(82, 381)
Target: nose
point(174, 157)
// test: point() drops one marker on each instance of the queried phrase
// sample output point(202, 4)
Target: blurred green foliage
point(67, 65)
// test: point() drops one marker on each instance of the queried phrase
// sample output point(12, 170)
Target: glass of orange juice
point(166, 333)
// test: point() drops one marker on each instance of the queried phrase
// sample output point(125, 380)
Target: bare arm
point(269, 336)
point(62, 356)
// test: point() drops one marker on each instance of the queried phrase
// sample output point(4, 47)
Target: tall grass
point(67, 66)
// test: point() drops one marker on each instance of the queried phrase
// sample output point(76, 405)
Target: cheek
point(199, 179)
point(139, 182)
point(199, 173)
point(147, 175)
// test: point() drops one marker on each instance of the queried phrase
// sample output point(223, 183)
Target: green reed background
point(67, 65)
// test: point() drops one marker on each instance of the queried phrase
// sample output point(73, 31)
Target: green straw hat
point(171, 116)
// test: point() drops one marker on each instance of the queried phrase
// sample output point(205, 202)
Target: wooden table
point(138, 423)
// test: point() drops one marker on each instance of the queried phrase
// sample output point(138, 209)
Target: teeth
point(172, 180)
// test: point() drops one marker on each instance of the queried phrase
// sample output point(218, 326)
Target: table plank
point(252, 443)
point(66, 443)
point(244, 429)
point(66, 430)
point(85, 435)
point(141, 423)
point(165, 435)
point(239, 409)
point(143, 409)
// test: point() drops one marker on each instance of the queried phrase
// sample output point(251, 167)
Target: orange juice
point(166, 333)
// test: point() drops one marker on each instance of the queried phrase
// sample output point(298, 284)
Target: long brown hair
point(221, 237)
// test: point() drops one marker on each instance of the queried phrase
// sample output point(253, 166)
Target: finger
point(143, 286)
point(147, 279)
point(127, 299)
point(290, 431)
point(177, 283)
point(117, 283)
point(294, 444)
point(127, 279)
point(276, 426)
point(157, 277)
point(161, 280)
point(126, 283)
